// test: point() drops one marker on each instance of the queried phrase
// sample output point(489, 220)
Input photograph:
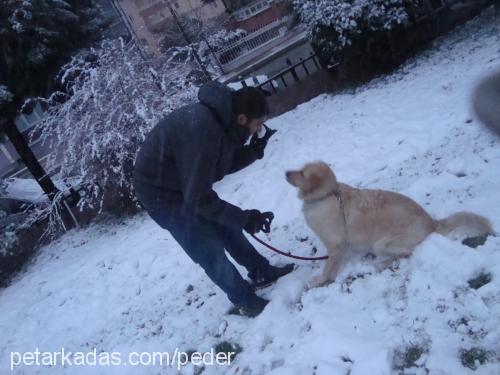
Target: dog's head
point(314, 180)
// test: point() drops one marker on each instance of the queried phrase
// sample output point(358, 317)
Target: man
point(175, 169)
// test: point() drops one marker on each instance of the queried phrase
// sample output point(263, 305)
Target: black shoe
point(261, 279)
point(251, 312)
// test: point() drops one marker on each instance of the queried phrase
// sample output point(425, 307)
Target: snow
point(127, 286)
point(24, 189)
point(28, 190)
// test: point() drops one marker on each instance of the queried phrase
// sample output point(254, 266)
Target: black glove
point(258, 221)
point(259, 144)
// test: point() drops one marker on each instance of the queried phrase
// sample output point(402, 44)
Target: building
point(258, 14)
point(269, 27)
point(149, 18)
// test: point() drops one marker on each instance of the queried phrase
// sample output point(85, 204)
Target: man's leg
point(204, 245)
point(259, 270)
point(241, 250)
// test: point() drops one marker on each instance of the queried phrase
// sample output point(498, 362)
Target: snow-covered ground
point(127, 286)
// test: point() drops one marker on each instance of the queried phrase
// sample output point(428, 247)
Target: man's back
point(156, 165)
point(189, 149)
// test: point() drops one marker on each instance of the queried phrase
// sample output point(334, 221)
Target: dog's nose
point(288, 173)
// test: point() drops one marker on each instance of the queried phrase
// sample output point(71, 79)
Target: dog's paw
point(316, 282)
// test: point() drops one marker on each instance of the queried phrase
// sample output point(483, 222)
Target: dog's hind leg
point(397, 246)
point(392, 248)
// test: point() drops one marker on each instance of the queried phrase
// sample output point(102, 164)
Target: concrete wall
point(300, 92)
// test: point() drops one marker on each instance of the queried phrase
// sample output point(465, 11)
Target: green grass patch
point(482, 279)
point(473, 357)
point(408, 357)
point(474, 242)
point(231, 350)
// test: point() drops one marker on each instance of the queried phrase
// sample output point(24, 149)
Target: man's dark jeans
point(205, 241)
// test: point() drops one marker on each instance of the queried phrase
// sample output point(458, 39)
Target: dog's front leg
point(330, 269)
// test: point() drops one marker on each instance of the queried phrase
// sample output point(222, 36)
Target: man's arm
point(243, 157)
point(196, 162)
point(246, 155)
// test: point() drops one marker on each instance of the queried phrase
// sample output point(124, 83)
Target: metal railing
point(253, 41)
point(290, 75)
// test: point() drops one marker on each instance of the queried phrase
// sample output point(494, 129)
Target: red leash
point(287, 254)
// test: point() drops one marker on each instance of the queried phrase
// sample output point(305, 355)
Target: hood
point(217, 97)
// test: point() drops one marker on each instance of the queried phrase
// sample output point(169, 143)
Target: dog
point(387, 223)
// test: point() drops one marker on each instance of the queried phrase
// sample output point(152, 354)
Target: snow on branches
point(5, 95)
point(113, 98)
point(335, 24)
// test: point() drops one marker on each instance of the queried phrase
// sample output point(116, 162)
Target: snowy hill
point(127, 286)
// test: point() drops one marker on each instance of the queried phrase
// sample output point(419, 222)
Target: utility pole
point(8, 126)
point(29, 159)
point(188, 40)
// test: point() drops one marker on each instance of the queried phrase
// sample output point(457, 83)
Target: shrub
point(335, 25)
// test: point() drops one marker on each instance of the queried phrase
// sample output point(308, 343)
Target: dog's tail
point(468, 223)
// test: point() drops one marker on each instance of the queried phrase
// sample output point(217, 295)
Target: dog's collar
point(335, 193)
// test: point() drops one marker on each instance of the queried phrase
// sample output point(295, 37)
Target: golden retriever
point(345, 218)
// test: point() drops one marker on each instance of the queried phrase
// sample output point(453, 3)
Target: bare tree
point(113, 99)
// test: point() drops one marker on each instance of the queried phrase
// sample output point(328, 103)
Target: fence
point(253, 41)
point(290, 75)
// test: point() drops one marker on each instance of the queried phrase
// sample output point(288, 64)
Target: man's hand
point(259, 144)
point(258, 221)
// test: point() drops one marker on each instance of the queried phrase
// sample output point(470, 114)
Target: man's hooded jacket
point(188, 151)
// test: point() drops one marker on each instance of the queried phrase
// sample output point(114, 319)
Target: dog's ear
point(313, 182)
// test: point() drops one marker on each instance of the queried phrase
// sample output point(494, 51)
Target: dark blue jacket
point(189, 150)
